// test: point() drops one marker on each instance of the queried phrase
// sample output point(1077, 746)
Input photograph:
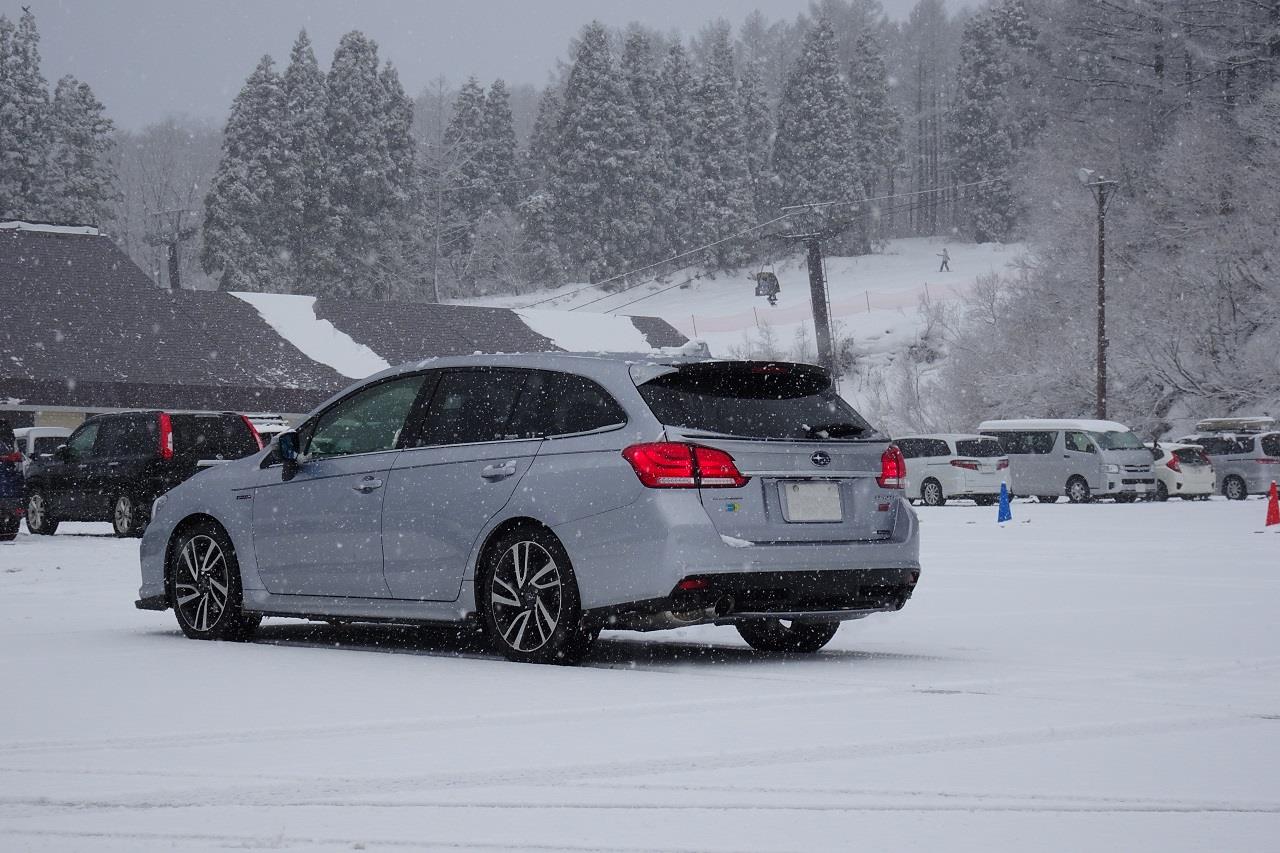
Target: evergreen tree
point(675, 95)
point(543, 142)
point(814, 152)
point(500, 144)
point(78, 180)
point(305, 225)
point(402, 220)
point(468, 186)
point(979, 138)
point(593, 175)
point(367, 121)
point(542, 262)
point(242, 241)
point(640, 74)
point(877, 126)
point(723, 200)
point(757, 131)
point(24, 111)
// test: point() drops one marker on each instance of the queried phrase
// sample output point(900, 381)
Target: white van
point(953, 465)
point(1081, 459)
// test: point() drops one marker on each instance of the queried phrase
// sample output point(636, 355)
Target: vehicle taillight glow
point(674, 465)
point(253, 429)
point(893, 468)
point(1173, 464)
point(1266, 460)
point(14, 457)
point(166, 436)
point(690, 584)
point(966, 464)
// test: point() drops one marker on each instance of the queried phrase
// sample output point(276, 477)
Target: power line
point(817, 204)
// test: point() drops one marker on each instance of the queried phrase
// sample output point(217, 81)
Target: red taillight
point(893, 468)
point(14, 457)
point(1266, 460)
point(690, 584)
point(1002, 464)
point(252, 429)
point(672, 465)
point(1173, 464)
point(966, 464)
point(166, 436)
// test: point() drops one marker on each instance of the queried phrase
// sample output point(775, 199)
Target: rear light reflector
point(1266, 460)
point(1173, 464)
point(166, 436)
point(14, 457)
point(674, 465)
point(966, 464)
point(893, 468)
point(691, 584)
point(252, 429)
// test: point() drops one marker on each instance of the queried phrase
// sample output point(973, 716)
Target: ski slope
point(1094, 677)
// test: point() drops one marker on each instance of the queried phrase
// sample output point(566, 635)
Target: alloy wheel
point(932, 494)
point(122, 517)
point(35, 512)
point(1235, 489)
point(525, 596)
point(201, 583)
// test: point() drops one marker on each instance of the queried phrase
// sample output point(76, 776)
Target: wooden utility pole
point(1102, 190)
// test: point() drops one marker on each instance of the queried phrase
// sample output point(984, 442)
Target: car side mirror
point(290, 456)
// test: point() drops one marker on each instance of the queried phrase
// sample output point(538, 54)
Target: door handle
point(367, 485)
point(112, 464)
point(497, 472)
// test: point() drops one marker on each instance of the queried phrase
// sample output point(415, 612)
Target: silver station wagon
point(548, 497)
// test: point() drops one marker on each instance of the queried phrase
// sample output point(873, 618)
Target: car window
point(473, 405)
point(1271, 445)
point(1219, 445)
point(1079, 442)
point(1189, 456)
point(81, 442)
point(555, 403)
point(910, 447)
point(209, 436)
point(127, 436)
point(1157, 453)
point(47, 443)
point(938, 447)
point(1117, 440)
point(368, 421)
point(979, 448)
point(1032, 442)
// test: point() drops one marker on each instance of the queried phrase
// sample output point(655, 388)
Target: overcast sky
point(148, 58)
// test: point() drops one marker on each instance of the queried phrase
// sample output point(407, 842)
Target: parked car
point(269, 426)
point(549, 496)
point(1245, 454)
point(1183, 470)
point(11, 484)
point(114, 466)
point(1082, 459)
point(953, 465)
point(34, 442)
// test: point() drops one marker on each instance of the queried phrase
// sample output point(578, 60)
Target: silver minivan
point(1082, 459)
point(547, 497)
point(1245, 454)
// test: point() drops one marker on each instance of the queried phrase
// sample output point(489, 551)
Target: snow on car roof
point(1084, 425)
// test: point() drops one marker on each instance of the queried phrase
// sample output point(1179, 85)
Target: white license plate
point(1140, 487)
point(811, 502)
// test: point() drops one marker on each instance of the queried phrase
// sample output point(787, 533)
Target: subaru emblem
point(820, 458)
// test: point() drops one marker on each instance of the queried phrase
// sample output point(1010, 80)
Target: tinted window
point(81, 441)
point(1187, 456)
point(754, 400)
point(1117, 440)
point(472, 406)
point(1079, 442)
point(978, 448)
point(205, 436)
point(48, 443)
point(368, 421)
point(127, 436)
point(1027, 442)
point(1271, 445)
point(910, 447)
point(554, 403)
point(1218, 445)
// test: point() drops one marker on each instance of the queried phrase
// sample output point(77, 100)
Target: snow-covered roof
point(48, 228)
point(1084, 425)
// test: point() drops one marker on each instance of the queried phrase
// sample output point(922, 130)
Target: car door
point(467, 456)
point(69, 481)
point(1081, 456)
point(320, 532)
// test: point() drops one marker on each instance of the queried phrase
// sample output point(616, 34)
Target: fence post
point(756, 312)
point(868, 292)
point(694, 320)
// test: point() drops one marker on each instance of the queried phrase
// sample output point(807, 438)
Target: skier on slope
point(945, 266)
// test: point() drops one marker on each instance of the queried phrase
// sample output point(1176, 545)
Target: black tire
point(9, 528)
point(772, 635)
point(1234, 488)
point(1162, 491)
point(528, 599)
point(39, 521)
point(1125, 499)
point(128, 517)
point(1047, 499)
point(985, 500)
point(1078, 491)
point(931, 493)
point(203, 580)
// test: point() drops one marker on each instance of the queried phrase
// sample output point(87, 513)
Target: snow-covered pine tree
point(500, 144)
point(24, 111)
point(541, 260)
point(305, 225)
point(675, 95)
point(814, 153)
point(877, 126)
point(723, 201)
point(757, 131)
point(979, 140)
point(593, 175)
point(402, 216)
point(78, 183)
point(468, 185)
point(242, 241)
point(371, 169)
point(639, 70)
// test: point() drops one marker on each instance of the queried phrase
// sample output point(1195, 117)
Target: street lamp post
point(1102, 190)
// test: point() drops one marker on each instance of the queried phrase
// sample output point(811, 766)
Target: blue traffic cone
point(1006, 514)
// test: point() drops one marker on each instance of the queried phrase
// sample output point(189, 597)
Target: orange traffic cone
point(1273, 506)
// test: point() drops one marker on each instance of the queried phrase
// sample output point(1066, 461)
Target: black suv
point(114, 466)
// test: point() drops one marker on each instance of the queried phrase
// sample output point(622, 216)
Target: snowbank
point(585, 331)
point(294, 318)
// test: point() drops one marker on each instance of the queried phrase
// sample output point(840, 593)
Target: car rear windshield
point(792, 402)
point(978, 448)
point(212, 436)
point(1117, 440)
point(1189, 456)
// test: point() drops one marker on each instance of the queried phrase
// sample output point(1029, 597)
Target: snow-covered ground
point(1086, 678)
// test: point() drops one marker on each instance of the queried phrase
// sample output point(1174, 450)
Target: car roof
point(1082, 424)
point(947, 436)
point(23, 432)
